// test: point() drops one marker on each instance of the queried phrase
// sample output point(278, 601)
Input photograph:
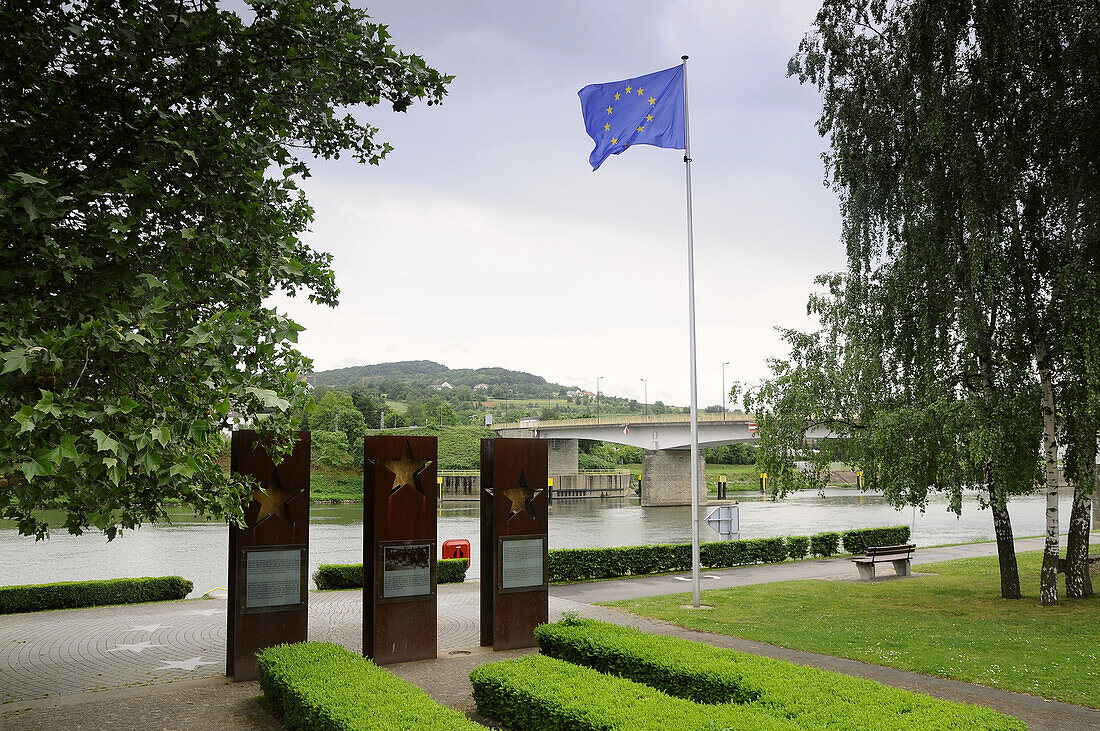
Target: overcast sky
point(485, 239)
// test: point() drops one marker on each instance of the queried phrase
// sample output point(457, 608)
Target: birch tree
point(963, 146)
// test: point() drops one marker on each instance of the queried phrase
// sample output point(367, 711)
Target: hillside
point(423, 393)
point(503, 383)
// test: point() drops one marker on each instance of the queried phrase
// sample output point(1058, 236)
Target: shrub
point(857, 541)
point(299, 679)
point(797, 546)
point(808, 697)
point(825, 544)
point(452, 570)
point(539, 693)
point(584, 564)
point(339, 576)
point(75, 594)
point(350, 575)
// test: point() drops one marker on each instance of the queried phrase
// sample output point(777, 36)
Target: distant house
point(441, 386)
point(481, 387)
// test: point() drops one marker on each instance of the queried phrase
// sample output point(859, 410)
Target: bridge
point(665, 439)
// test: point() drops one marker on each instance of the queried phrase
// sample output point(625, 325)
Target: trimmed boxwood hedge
point(798, 547)
point(319, 685)
point(539, 693)
point(584, 564)
point(350, 575)
point(857, 541)
point(101, 593)
point(825, 544)
point(808, 697)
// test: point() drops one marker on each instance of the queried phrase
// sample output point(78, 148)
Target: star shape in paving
point(187, 665)
point(148, 627)
point(273, 499)
point(134, 647)
point(520, 495)
point(204, 612)
point(406, 470)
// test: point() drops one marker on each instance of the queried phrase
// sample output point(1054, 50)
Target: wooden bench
point(898, 555)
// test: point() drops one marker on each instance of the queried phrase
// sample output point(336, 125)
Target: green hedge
point(452, 570)
point(539, 693)
point(798, 547)
point(299, 679)
point(825, 544)
point(350, 575)
point(808, 697)
point(584, 564)
point(76, 594)
point(857, 541)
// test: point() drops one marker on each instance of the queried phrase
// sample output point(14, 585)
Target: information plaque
point(274, 579)
point(406, 568)
point(521, 563)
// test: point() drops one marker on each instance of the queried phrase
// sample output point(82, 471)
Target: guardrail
point(475, 473)
point(625, 419)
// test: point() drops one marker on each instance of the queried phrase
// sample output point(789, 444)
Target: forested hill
point(397, 377)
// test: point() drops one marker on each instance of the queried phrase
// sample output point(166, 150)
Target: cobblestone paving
point(47, 654)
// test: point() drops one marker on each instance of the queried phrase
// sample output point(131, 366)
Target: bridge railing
point(625, 419)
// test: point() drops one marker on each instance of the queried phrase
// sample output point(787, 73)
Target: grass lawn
point(953, 625)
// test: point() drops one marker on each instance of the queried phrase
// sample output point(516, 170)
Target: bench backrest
point(884, 550)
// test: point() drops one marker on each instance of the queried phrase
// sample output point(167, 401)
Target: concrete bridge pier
point(666, 477)
point(562, 456)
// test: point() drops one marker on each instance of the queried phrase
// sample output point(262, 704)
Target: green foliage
point(806, 697)
point(584, 564)
point(149, 206)
point(857, 541)
point(298, 679)
point(329, 448)
point(731, 454)
point(797, 546)
point(963, 149)
point(452, 570)
point(825, 544)
point(949, 623)
point(350, 575)
point(101, 593)
point(539, 693)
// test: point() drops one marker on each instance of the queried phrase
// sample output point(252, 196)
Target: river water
point(197, 549)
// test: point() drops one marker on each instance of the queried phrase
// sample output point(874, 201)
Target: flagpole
point(694, 467)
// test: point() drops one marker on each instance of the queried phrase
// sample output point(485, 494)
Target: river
point(197, 549)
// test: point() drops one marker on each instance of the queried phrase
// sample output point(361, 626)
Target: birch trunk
point(998, 501)
point(1006, 549)
point(1078, 581)
point(1048, 576)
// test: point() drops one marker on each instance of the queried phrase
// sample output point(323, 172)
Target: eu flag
point(645, 110)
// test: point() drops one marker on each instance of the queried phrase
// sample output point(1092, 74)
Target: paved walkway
point(51, 661)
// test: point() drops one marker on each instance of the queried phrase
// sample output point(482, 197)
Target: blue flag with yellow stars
point(645, 110)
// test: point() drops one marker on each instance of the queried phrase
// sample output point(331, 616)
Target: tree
point(149, 158)
point(335, 412)
point(964, 148)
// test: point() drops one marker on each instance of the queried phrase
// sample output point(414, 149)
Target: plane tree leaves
point(150, 159)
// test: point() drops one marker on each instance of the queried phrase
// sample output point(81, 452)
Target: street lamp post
point(724, 396)
point(645, 397)
point(598, 398)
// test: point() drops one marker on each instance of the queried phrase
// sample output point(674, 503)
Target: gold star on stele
point(273, 499)
point(520, 496)
point(405, 470)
